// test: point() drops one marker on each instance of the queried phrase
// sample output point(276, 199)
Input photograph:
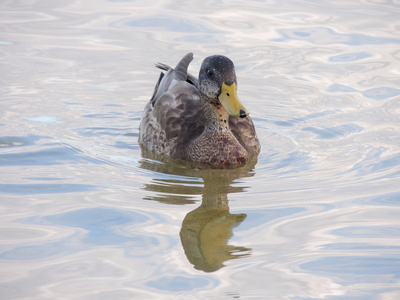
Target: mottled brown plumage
point(187, 118)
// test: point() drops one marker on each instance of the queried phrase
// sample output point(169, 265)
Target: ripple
point(368, 267)
point(334, 132)
point(350, 57)
point(358, 246)
point(340, 88)
point(311, 116)
point(21, 234)
point(35, 189)
point(99, 223)
point(296, 161)
point(181, 283)
point(6, 43)
point(260, 217)
point(171, 23)
point(44, 119)
point(374, 163)
point(94, 218)
point(368, 231)
point(112, 115)
point(386, 164)
point(381, 93)
point(327, 36)
point(100, 228)
point(99, 131)
point(19, 141)
point(46, 157)
point(391, 199)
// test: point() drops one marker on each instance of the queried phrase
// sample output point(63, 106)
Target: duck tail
point(180, 71)
point(183, 65)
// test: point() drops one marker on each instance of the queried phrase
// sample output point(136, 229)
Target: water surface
point(86, 214)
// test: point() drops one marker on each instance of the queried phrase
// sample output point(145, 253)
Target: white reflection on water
point(86, 215)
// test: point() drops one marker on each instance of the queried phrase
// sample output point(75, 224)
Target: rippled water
point(86, 215)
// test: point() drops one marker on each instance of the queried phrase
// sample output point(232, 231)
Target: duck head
point(217, 80)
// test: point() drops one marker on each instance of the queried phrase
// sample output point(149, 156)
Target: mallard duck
point(199, 120)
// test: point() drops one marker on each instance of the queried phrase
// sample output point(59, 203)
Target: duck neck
point(217, 119)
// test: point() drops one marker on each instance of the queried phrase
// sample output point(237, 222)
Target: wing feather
point(244, 131)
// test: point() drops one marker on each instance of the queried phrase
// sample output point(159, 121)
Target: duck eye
point(227, 94)
point(209, 73)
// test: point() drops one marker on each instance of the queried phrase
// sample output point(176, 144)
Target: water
point(86, 215)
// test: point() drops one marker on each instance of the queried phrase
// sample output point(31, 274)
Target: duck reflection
point(205, 231)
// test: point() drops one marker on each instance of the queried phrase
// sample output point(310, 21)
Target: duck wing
point(244, 131)
point(174, 115)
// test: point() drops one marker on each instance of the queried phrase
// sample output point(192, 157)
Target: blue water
point(85, 214)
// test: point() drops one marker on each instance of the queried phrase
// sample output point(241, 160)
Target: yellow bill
point(230, 101)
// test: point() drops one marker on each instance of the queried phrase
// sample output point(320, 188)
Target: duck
point(201, 119)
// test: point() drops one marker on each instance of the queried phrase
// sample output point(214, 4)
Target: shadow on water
point(206, 230)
